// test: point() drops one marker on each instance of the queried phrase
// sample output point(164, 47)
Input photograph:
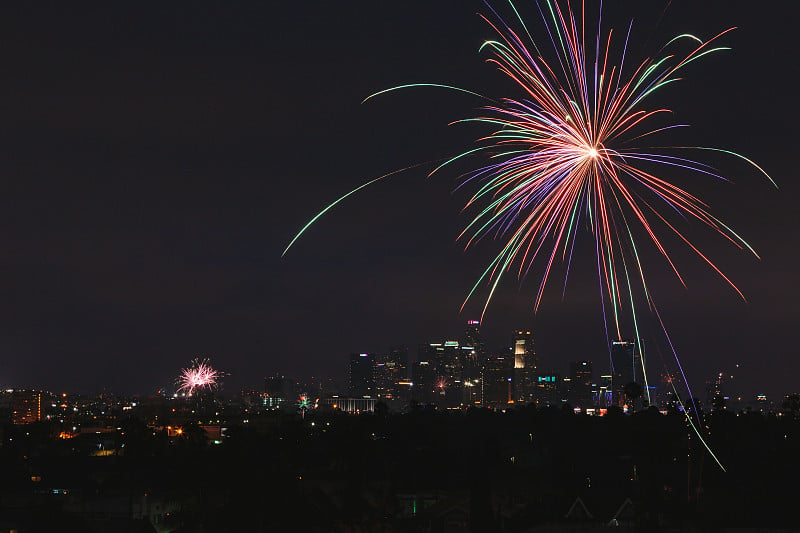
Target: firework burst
point(199, 376)
point(564, 154)
point(573, 150)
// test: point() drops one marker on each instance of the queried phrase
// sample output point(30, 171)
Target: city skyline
point(154, 174)
point(421, 371)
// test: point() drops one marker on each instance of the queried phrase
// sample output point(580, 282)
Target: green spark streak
point(440, 85)
point(681, 36)
point(459, 156)
point(310, 222)
point(525, 27)
point(696, 431)
point(740, 156)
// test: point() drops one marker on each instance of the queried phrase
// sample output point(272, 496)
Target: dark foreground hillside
point(423, 471)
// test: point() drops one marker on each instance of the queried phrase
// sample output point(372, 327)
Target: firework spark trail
point(344, 196)
point(200, 375)
point(561, 156)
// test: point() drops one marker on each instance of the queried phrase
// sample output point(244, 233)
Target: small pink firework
point(198, 376)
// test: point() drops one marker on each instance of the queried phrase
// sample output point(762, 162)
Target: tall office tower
point(473, 339)
point(626, 367)
point(382, 376)
point(470, 376)
point(580, 373)
point(447, 384)
point(389, 370)
point(423, 377)
point(451, 365)
point(403, 386)
point(524, 367)
point(26, 406)
point(451, 380)
point(498, 380)
point(472, 356)
point(361, 375)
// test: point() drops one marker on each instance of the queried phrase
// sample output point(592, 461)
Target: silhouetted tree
point(632, 391)
point(194, 437)
point(791, 404)
point(381, 409)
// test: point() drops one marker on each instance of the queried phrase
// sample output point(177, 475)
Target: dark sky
point(155, 159)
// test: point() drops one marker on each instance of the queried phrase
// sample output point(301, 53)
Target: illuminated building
point(361, 375)
point(498, 380)
point(601, 391)
point(473, 342)
point(525, 363)
point(390, 371)
point(275, 391)
point(26, 406)
point(351, 405)
point(626, 366)
point(253, 400)
point(446, 357)
point(383, 376)
point(450, 385)
point(580, 373)
point(473, 391)
point(472, 355)
point(761, 404)
point(549, 388)
point(423, 377)
point(441, 381)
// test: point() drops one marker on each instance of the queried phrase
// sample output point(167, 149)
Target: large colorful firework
point(199, 376)
point(573, 150)
point(565, 153)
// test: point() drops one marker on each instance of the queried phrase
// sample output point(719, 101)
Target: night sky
point(156, 159)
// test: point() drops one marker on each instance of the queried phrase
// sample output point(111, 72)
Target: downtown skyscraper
point(525, 367)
